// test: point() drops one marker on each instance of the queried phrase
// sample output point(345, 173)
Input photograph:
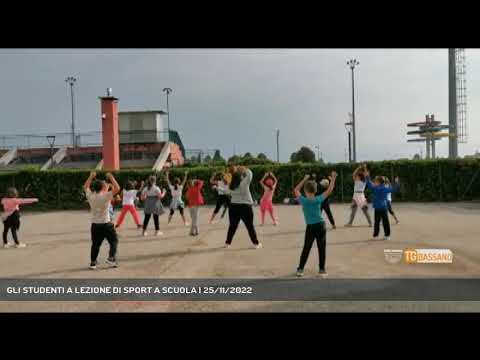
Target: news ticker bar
point(289, 289)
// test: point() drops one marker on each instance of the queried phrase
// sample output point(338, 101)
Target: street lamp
point(71, 81)
point(352, 63)
point(51, 142)
point(168, 91)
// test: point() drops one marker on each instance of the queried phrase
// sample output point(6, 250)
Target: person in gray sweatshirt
point(241, 205)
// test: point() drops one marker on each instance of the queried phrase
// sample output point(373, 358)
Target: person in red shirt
point(195, 200)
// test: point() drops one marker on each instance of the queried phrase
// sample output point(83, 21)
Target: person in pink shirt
point(269, 184)
point(11, 216)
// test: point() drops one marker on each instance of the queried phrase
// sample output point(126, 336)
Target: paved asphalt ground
point(59, 244)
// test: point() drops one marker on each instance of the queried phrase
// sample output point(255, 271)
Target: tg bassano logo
point(420, 256)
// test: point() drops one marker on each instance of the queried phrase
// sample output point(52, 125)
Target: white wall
point(162, 127)
point(138, 122)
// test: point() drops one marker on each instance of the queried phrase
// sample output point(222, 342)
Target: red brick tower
point(110, 133)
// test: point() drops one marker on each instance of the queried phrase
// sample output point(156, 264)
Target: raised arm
point(299, 186)
point(331, 186)
point(162, 193)
point(167, 176)
point(395, 187)
point(356, 171)
point(25, 201)
point(185, 179)
point(87, 184)
point(263, 178)
point(115, 186)
point(212, 180)
point(275, 181)
point(368, 182)
point(248, 177)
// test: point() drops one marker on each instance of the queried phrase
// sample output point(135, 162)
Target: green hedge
point(422, 180)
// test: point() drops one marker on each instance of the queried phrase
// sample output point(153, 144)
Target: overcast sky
point(227, 97)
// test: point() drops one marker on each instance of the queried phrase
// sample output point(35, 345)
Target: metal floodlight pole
point(168, 91)
point(278, 146)
point(352, 63)
point(71, 81)
point(349, 147)
point(348, 127)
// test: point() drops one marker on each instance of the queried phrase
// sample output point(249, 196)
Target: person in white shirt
point(241, 206)
point(359, 200)
point(152, 197)
point(223, 199)
point(389, 200)
point(101, 228)
point(129, 196)
point(177, 202)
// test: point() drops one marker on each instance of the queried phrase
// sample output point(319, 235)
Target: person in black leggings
point(152, 196)
point(241, 206)
point(326, 202)
point(223, 199)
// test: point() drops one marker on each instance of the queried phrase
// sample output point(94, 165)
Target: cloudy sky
point(226, 98)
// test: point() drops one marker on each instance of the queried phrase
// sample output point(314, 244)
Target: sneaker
point(386, 238)
point(348, 225)
point(374, 238)
point(227, 246)
point(111, 263)
point(323, 273)
point(299, 273)
point(21, 245)
point(6, 246)
point(158, 233)
point(259, 246)
point(144, 233)
point(333, 227)
point(92, 266)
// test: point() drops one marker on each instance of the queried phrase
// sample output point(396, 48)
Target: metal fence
point(91, 138)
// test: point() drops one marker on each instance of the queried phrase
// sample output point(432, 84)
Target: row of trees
point(303, 155)
point(218, 160)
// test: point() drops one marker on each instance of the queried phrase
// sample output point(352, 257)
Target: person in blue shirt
point(311, 206)
point(380, 203)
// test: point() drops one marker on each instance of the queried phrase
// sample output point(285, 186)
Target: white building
point(143, 126)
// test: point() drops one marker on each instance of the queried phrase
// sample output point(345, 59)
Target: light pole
point(51, 142)
point(168, 91)
point(348, 127)
point(352, 63)
point(71, 81)
point(278, 146)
